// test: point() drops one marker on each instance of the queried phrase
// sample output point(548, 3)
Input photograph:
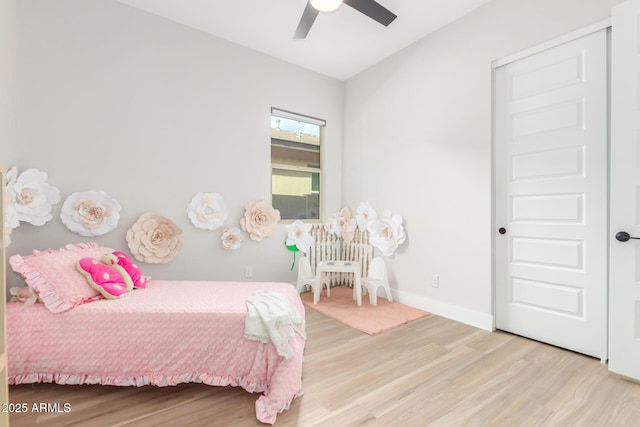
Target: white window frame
point(285, 114)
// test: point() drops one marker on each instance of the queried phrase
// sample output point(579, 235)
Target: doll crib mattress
point(169, 333)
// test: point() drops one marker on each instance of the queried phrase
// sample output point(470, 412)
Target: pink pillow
point(127, 268)
point(53, 274)
point(103, 278)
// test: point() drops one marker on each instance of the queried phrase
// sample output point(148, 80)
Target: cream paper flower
point(33, 198)
point(387, 233)
point(207, 211)
point(365, 216)
point(154, 239)
point(260, 219)
point(231, 238)
point(342, 225)
point(90, 213)
point(299, 234)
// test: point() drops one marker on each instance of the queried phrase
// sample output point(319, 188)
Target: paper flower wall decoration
point(342, 225)
point(154, 239)
point(231, 238)
point(10, 214)
point(299, 238)
point(387, 233)
point(260, 219)
point(90, 213)
point(299, 234)
point(365, 216)
point(33, 198)
point(11, 220)
point(207, 211)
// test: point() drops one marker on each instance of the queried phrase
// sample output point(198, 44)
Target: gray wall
point(7, 82)
point(153, 112)
point(423, 117)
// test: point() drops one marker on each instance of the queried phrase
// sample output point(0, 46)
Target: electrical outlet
point(435, 281)
point(248, 271)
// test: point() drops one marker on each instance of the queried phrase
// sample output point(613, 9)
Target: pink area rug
point(366, 318)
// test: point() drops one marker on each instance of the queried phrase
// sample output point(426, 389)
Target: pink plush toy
point(103, 278)
point(132, 275)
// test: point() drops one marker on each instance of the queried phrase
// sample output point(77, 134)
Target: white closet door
point(551, 195)
point(624, 327)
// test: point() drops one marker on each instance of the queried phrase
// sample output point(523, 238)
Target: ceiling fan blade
point(306, 21)
point(373, 10)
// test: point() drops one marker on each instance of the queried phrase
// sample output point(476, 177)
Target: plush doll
point(103, 278)
point(132, 275)
point(25, 294)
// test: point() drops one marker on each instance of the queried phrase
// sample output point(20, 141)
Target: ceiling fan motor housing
point(326, 5)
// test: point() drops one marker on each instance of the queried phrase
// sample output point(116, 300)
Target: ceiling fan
point(371, 8)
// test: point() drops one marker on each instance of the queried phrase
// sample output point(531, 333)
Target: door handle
point(502, 230)
point(623, 236)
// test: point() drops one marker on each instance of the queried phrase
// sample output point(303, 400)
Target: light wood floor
point(432, 372)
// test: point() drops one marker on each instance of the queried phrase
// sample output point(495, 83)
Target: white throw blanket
point(272, 318)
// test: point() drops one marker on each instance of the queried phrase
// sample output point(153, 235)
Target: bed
point(168, 333)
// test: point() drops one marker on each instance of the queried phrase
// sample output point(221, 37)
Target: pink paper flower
point(154, 239)
point(260, 219)
point(342, 225)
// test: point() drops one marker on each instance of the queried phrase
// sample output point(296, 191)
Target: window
point(295, 165)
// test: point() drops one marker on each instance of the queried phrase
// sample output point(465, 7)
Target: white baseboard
point(459, 314)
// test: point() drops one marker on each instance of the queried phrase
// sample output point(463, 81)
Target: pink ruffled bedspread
point(169, 333)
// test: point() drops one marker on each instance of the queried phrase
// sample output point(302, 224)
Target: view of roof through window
point(294, 126)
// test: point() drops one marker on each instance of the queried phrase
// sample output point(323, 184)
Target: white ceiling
point(340, 44)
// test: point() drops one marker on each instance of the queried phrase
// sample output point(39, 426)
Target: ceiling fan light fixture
point(326, 5)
